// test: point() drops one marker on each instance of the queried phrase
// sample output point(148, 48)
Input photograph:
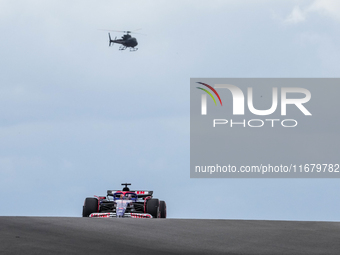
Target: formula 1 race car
point(125, 204)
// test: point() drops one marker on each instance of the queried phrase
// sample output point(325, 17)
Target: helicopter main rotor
point(127, 31)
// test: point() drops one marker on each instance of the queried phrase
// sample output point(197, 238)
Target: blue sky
point(78, 117)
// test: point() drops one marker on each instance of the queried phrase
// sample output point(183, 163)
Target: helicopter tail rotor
point(110, 40)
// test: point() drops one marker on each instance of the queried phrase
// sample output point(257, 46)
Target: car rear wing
point(140, 193)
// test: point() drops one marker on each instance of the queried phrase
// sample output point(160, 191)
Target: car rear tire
point(162, 209)
point(152, 207)
point(90, 206)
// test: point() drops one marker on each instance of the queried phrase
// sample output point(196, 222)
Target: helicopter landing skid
point(124, 48)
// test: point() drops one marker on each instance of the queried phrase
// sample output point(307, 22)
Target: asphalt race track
point(52, 235)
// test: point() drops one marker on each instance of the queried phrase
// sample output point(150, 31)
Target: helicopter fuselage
point(130, 42)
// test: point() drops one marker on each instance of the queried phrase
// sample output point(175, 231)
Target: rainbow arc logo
point(209, 93)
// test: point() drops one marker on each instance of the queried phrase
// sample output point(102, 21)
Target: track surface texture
point(52, 235)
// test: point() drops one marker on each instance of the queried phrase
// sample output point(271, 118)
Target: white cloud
point(296, 16)
point(328, 8)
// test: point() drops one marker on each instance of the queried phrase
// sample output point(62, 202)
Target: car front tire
point(90, 206)
point(152, 207)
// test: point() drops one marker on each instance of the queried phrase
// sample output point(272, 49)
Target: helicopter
point(126, 41)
